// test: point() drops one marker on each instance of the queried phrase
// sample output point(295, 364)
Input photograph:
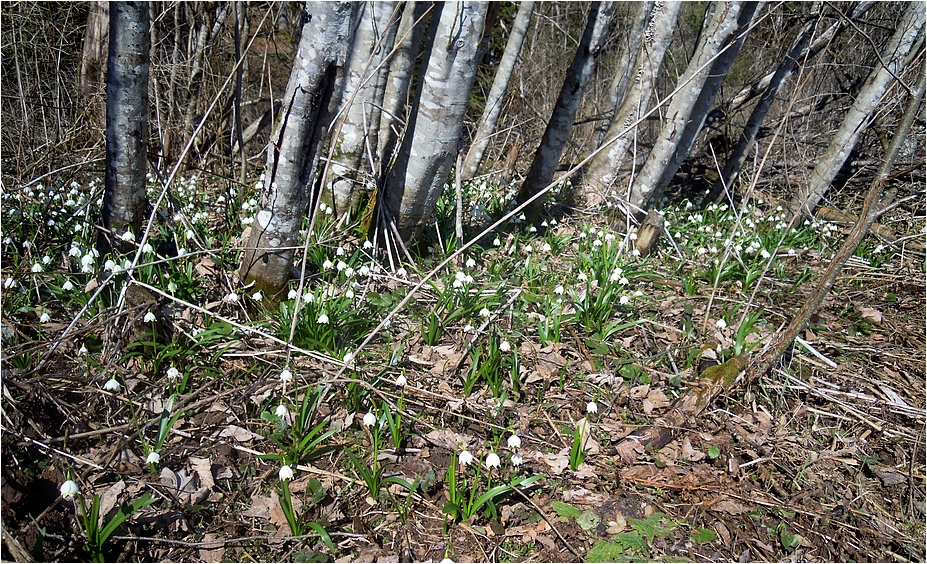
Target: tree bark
point(434, 131)
point(487, 124)
point(93, 53)
point(124, 198)
point(561, 122)
point(602, 173)
point(689, 106)
point(352, 169)
point(861, 112)
point(290, 154)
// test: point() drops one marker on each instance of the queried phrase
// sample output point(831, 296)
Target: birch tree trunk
point(861, 112)
point(365, 83)
point(434, 130)
point(124, 198)
point(748, 135)
point(487, 124)
point(290, 154)
point(561, 122)
point(395, 98)
point(699, 86)
point(600, 176)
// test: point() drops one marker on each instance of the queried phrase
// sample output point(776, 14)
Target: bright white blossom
point(592, 407)
point(517, 459)
point(111, 385)
point(286, 376)
point(153, 458)
point(230, 298)
point(369, 419)
point(496, 242)
point(581, 276)
point(341, 265)
point(285, 473)
point(348, 358)
point(83, 350)
point(470, 262)
point(291, 295)
point(624, 300)
point(323, 319)
point(257, 296)
point(465, 458)
point(149, 317)
point(327, 264)
point(484, 312)
point(368, 244)
point(67, 286)
point(172, 373)
point(720, 324)
point(69, 489)
point(46, 259)
point(402, 273)
point(147, 248)
point(514, 441)
point(504, 346)
point(44, 318)
point(281, 411)
point(558, 289)
point(401, 380)
point(492, 460)
point(37, 268)
point(128, 236)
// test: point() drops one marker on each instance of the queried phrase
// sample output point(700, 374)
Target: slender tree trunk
point(290, 154)
point(683, 120)
point(434, 131)
point(861, 112)
point(96, 39)
point(395, 98)
point(561, 122)
point(124, 198)
point(365, 84)
point(748, 135)
point(487, 124)
point(602, 172)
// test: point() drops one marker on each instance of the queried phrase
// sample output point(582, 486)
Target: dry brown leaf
point(557, 462)
point(689, 453)
point(871, 313)
point(212, 554)
point(110, 498)
point(730, 507)
point(203, 469)
point(240, 434)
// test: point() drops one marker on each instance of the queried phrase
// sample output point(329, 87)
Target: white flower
point(44, 318)
point(504, 346)
point(546, 247)
point(364, 271)
point(69, 489)
point(765, 254)
point(636, 253)
point(348, 272)
point(484, 312)
point(285, 473)
point(492, 460)
point(257, 296)
point(182, 251)
point(368, 244)
point(37, 267)
point(46, 259)
point(153, 458)
point(341, 265)
point(230, 298)
point(720, 324)
point(323, 319)
point(189, 234)
point(327, 264)
point(291, 295)
point(128, 236)
point(623, 281)
point(369, 419)
point(339, 251)
point(402, 273)
point(582, 277)
point(401, 380)
point(348, 358)
point(281, 411)
point(496, 242)
point(67, 286)
point(470, 263)
point(286, 376)
point(172, 287)
point(468, 328)
point(111, 385)
point(465, 458)
point(592, 407)
point(149, 317)
point(517, 459)
point(558, 289)
point(147, 248)
point(83, 350)
point(172, 373)
point(514, 441)
point(528, 248)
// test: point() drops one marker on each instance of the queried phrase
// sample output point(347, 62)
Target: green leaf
point(703, 536)
point(614, 551)
point(588, 520)
point(714, 452)
point(564, 509)
point(789, 541)
point(326, 538)
point(124, 513)
point(632, 541)
point(649, 527)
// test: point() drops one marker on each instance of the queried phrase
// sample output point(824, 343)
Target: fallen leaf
point(212, 554)
point(689, 453)
point(203, 469)
point(110, 498)
point(871, 313)
point(730, 507)
point(240, 434)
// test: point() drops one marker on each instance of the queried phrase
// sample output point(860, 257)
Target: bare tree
point(602, 172)
point(688, 108)
point(561, 122)
point(891, 62)
point(290, 154)
point(433, 132)
point(355, 147)
point(93, 53)
point(124, 198)
point(487, 124)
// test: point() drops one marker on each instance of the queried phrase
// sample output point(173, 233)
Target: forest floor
point(559, 337)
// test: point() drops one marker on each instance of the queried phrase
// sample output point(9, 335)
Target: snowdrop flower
point(339, 252)
point(624, 281)
point(592, 407)
point(341, 265)
point(624, 300)
point(349, 272)
point(504, 346)
point(111, 385)
point(517, 459)
point(402, 273)
point(636, 253)
point(147, 248)
point(181, 252)
point(67, 286)
point(257, 296)
point(172, 373)
point(10, 282)
point(364, 271)
point(128, 237)
point(291, 295)
point(558, 289)
point(514, 441)
point(286, 376)
point(46, 259)
point(470, 263)
point(327, 264)
point(74, 251)
point(172, 287)
point(765, 254)
point(581, 277)
point(69, 489)
point(281, 411)
point(468, 328)
point(230, 298)
point(369, 419)
point(83, 350)
point(149, 317)
point(465, 458)
point(546, 247)
point(492, 460)
point(44, 318)
point(348, 358)
point(153, 458)
point(401, 380)
point(532, 229)
point(720, 324)
point(496, 242)
point(484, 312)
point(323, 319)
point(38, 267)
point(285, 473)
point(367, 244)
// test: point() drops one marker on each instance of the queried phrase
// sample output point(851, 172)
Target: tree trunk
point(748, 135)
point(96, 39)
point(125, 199)
point(689, 106)
point(487, 124)
point(561, 122)
point(602, 172)
point(290, 154)
point(861, 112)
point(434, 131)
point(395, 99)
point(352, 168)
